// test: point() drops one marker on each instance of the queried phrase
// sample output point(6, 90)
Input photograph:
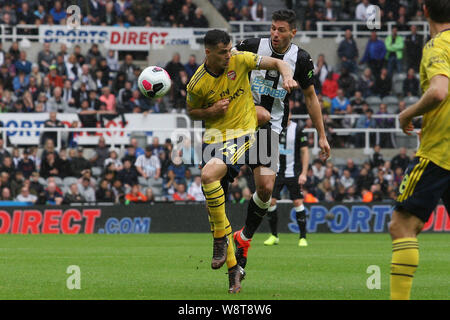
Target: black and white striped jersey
point(266, 85)
point(292, 139)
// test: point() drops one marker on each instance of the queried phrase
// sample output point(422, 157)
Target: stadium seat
point(392, 108)
point(373, 100)
point(42, 181)
point(142, 181)
point(58, 181)
point(96, 171)
point(69, 180)
point(195, 171)
point(411, 100)
point(155, 183)
point(390, 100)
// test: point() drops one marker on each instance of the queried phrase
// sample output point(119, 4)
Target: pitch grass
point(177, 266)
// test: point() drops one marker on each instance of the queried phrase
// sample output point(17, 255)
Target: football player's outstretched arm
point(315, 113)
point(269, 63)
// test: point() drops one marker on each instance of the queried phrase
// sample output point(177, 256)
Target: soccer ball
point(154, 82)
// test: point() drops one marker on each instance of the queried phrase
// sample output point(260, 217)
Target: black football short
point(292, 186)
point(423, 185)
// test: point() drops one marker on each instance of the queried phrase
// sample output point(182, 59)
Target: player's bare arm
point(433, 97)
point(315, 112)
point(263, 115)
point(269, 63)
point(216, 110)
point(304, 154)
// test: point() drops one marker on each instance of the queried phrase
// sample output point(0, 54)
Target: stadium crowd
point(382, 80)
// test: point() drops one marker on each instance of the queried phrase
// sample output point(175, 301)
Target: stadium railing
point(119, 137)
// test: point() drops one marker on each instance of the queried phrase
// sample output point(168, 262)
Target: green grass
point(177, 266)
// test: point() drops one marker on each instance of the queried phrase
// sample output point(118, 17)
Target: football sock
point(300, 215)
point(405, 260)
point(255, 212)
point(215, 199)
point(273, 220)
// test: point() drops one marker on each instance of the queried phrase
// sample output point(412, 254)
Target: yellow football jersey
point(435, 142)
point(205, 88)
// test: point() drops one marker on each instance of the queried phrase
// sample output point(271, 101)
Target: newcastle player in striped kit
point(292, 170)
point(267, 91)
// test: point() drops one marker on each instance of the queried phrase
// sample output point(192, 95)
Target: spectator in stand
point(361, 13)
point(52, 122)
point(73, 68)
point(394, 55)
point(374, 54)
point(366, 83)
point(377, 158)
point(346, 180)
point(199, 20)
point(87, 116)
point(57, 12)
point(109, 99)
point(365, 121)
point(112, 61)
point(86, 190)
point(101, 153)
point(401, 160)
point(339, 103)
point(321, 69)
point(229, 11)
point(169, 10)
point(385, 139)
point(185, 17)
point(148, 165)
point(310, 15)
point(411, 84)
point(58, 104)
point(52, 196)
point(383, 84)
point(50, 166)
point(78, 163)
point(191, 66)
point(331, 15)
point(330, 85)
point(68, 95)
point(181, 195)
point(24, 14)
point(73, 195)
point(174, 66)
point(61, 69)
point(55, 79)
point(357, 101)
point(258, 12)
point(20, 83)
point(348, 52)
point(128, 175)
point(104, 192)
point(195, 190)
point(46, 58)
point(138, 150)
point(135, 195)
point(26, 165)
point(347, 82)
point(26, 196)
point(109, 16)
point(318, 170)
point(178, 169)
point(128, 68)
point(6, 194)
point(179, 91)
point(413, 49)
point(114, 159)
point(22, 64)
point(6, 78)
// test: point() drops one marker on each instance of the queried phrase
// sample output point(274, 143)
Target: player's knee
point(264, 191)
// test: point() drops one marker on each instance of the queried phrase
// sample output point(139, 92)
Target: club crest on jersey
point(231, 75)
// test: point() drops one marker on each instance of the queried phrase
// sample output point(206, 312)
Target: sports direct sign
point(117, 38)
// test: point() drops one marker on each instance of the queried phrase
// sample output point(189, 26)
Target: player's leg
point(272, 215)
point(211, 175)
point(300, 216)
point(263, 115)
point(404, 228)
point(257, 209)
point(422, 187)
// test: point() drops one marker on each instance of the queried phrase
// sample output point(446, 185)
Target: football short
point(292, 186)
point(423, 185)
point(255, 150)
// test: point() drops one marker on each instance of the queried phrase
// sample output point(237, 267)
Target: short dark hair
point(285, 15)
point(439, 10)
point(214, 37)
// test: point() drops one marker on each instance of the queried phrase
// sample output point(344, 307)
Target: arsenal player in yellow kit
point(219, 93)
point(427, 179)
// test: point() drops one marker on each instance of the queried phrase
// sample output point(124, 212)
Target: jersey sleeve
point(304, 70)
point(250, 45)
point(194, 98)
point(250, 60)
point(437, 61)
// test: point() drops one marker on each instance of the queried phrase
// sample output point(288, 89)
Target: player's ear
point(293, 32)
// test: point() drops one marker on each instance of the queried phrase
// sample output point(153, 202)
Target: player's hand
point(220, 107)
point(324, 149)
point(289, 84)
point(302, 179)
point(405, 123)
